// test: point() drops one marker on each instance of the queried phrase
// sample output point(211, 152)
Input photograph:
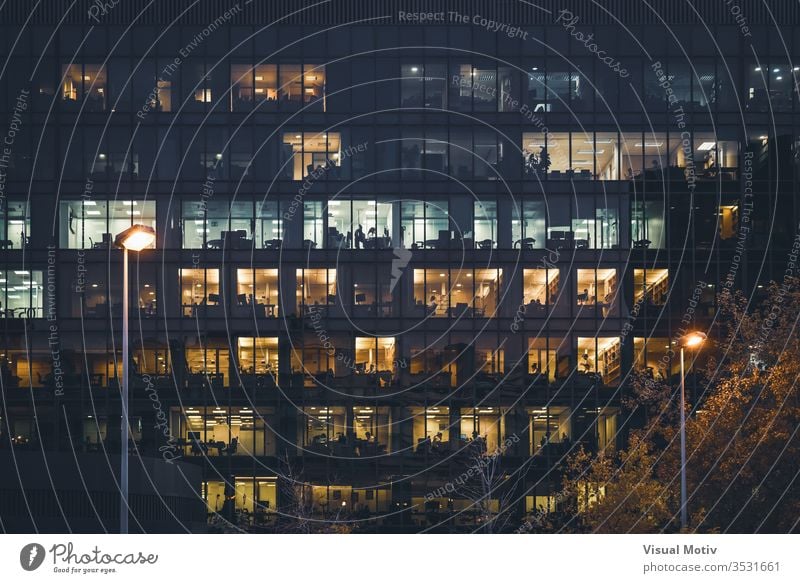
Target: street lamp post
point(134, 238)
point(690, 340)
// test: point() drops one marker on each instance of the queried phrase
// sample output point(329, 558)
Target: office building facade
point(390, 244)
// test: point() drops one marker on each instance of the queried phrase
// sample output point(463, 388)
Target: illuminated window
point(599, 358)
point(540, 289)
point(315, 360)
point(84, 83)
point(15, 224)
point(485, 423)
point(650, 286)
point(313, 155)
point(375, 356)
point(595, 222)
point(548, 427)
point(647, 224)
point(543, 357)
point(258, 496)
point(89, 224)
point(316, 289)
point(528, 224)
point(728, 221)
point(199, 289)
point(314, 84)
point(26, 369)
point(208, 363)
point(313, 224)
point(257, 290)
point(22, 294)
point(372, 430)
point(324, 429)
point(597, 287)
point(431, 428)
point(269, 224)
point(432, 291)
point(359, 224)
point(154, 360)
point(457, 293)
point(258, 355)
point(425, 225)
point(485, 224)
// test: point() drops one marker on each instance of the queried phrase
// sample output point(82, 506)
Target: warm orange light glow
point(694, 339)
point(136, 238)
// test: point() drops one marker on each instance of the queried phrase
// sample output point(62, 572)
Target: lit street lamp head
point(135, 238)
point(694, 339)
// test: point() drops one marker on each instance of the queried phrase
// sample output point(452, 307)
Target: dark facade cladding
point(384, 243)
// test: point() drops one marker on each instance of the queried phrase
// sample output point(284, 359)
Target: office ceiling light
point(705, 146)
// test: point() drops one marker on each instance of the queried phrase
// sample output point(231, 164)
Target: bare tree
point(491, 489)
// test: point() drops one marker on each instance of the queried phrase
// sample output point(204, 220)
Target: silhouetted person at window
point(425, 445)
point(368, 437)
point(372, 232)
point(544, 161)
point(360, 237)
point(386, 232)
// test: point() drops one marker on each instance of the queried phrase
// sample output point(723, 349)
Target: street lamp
point(134, 238)
point(691, 340)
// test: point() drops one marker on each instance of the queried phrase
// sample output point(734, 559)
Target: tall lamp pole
point(134, 238)
point(690, 341)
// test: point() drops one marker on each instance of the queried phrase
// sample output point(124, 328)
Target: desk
point(273, 244)
point(378, 243)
